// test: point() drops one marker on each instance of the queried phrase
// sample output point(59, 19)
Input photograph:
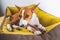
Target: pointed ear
point(34, 6)
point(18, 7)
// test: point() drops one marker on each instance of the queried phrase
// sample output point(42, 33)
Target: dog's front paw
point(37, 32)
point(9, 28)
point(18, 28)
point(30, 28)
point(43, 30)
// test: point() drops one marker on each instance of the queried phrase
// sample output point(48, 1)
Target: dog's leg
point(30, 28)
point(9, 27)
point(42, 28)
point(36, 32)
point(16, 27)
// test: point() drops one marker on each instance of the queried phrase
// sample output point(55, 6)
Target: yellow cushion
point(45, 19)
point(51, 27)
point(8, 12)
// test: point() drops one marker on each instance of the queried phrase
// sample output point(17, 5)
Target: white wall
point(6, 3)
point(50, 6)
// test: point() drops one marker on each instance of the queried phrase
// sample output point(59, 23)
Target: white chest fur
point(34, 20)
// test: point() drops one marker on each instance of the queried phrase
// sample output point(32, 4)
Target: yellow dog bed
point(47, 20)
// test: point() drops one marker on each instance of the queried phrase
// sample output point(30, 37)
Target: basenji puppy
point(27, 18)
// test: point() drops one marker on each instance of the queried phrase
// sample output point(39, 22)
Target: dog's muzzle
point(23, 23)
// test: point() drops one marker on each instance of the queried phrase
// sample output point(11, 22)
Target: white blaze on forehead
point(23, 12)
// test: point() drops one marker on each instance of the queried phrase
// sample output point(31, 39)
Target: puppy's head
point(25, 14)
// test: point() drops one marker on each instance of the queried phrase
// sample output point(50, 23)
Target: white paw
point(15, 26)
point(9, 27)
point(43, 28)
point(37, 32)
point(29, 28)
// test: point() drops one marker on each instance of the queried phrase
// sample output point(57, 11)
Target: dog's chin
point(23, 22)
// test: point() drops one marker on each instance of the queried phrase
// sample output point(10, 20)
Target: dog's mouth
point(23, 23)
point(22, 26)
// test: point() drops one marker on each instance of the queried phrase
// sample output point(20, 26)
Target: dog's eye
point(26, 16)
point(20, 16)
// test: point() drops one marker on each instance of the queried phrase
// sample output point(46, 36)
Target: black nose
point(21, 25)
